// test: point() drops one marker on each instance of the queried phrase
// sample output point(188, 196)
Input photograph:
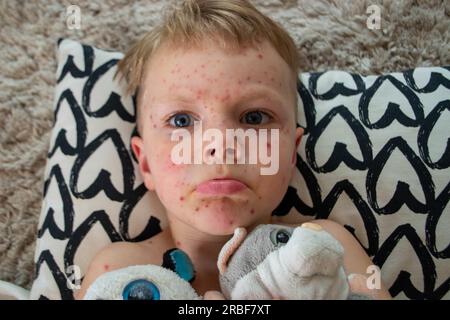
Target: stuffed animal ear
point(178, 261)
point(229, 248)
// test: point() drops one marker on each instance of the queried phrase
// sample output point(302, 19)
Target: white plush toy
point(147, 282)
point(280, 262)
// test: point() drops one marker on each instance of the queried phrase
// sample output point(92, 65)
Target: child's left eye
point(181, 120)
point(256, 117)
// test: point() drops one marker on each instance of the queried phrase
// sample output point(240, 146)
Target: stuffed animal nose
point(312, 226)
point(312, 251)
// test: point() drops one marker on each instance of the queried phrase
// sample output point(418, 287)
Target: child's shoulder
point(123, 254)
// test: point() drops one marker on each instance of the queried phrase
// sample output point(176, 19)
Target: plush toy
point(279, 262)
point(148, 282)
point(272, 262)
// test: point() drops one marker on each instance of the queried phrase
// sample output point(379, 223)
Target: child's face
point(252, 88)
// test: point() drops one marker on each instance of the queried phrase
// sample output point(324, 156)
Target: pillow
point(374, 157)
point(92, 193)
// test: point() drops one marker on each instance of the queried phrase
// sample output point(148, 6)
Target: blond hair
point(234, 23)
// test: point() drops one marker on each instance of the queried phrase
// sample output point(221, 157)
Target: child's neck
point(198, 245)
point(203, 250)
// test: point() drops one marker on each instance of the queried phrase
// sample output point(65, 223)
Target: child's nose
point(228, 149)
point(217, 154)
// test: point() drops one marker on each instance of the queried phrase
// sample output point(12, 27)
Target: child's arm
point(355, 258)
point(94, 271)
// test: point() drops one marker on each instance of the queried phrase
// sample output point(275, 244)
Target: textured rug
point(330, 35)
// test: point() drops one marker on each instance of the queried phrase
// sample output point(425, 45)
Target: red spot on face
point(178, 243)
point(231, 222)
point(260, 56)
point(181, 198)
point(259, 197)
point(206, 205)
point(154, 125)
point(196, 209)
point(202, 66)
point(272, 79)
point(106, 267)
point(248, 78)
point(252, 211)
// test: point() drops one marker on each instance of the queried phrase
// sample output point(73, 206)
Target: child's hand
point(358, 285)
point(213, 295)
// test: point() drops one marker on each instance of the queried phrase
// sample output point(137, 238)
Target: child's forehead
point(197, 72)
point(208, 53)
point(214, 66)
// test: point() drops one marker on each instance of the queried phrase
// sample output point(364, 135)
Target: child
point(226, 65)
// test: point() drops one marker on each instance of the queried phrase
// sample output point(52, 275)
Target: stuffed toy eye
point(279, 236)
point(140, 290)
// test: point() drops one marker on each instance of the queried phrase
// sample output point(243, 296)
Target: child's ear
point(298, 137)
point(137, 144)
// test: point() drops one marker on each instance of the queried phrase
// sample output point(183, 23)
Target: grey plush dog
point(279, 262)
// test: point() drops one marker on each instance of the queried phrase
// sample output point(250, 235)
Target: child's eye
point(256, 117)
point(181, 120)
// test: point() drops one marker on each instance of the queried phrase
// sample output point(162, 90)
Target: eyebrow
point(272, 95)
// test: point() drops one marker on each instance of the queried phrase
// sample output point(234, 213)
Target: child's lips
point(221, 186)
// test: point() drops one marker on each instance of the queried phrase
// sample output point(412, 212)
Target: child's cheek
point(169, 166)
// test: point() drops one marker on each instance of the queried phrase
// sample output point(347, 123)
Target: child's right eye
point(181, 120)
